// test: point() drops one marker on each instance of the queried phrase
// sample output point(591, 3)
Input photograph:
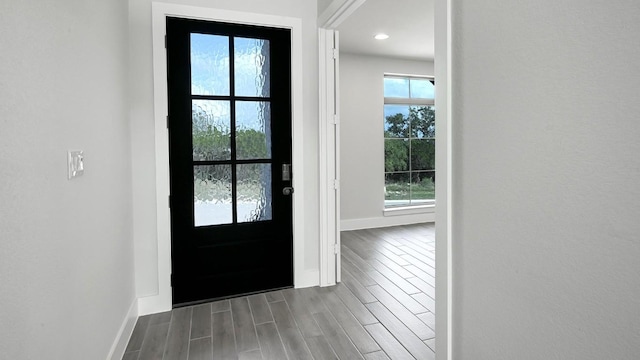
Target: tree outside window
point(409, 141)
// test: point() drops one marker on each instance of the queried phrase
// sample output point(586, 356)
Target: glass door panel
point(231, 130)
point(211, 130)
point(251, 67)
point(253, 130)
point(209, 64)
point(254, 192)
point(212, 195)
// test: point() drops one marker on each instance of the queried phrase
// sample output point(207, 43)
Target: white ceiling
point(409, 24)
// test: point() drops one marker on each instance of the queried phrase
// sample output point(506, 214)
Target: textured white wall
point(362, 142)
point(142, 125)
point(546, 199)
point(66, 249)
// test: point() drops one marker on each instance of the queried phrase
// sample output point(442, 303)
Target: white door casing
point(329, 151)
point(162, 301)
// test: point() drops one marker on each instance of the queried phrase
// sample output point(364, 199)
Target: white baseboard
point(153, 304)
point(124, 334)
point(385, 221)
point(309, 278)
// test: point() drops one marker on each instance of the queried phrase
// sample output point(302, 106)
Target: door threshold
point(199, 302)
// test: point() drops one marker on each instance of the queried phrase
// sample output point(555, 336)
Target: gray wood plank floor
point(383, 309)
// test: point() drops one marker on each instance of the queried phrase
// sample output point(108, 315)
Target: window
point(409, 141)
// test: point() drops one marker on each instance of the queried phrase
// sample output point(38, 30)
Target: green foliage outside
point(418, 190)
point(410, 155)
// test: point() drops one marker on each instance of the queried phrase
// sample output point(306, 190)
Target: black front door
point(230, 153)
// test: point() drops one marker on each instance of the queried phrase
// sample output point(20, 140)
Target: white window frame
point(429, 205)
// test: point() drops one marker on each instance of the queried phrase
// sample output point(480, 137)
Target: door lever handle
point(287, 190)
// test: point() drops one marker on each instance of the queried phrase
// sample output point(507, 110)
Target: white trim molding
point(444, 188)
point(410, 210)
point(124, 333)
point(337, 12)
point(328, 147)
point(162, 300)
point(308, 278)
point(386, 221)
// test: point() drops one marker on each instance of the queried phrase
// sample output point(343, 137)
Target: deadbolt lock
point(286, 172)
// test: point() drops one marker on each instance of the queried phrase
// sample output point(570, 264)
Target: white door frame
point(444, 185)
point(329, 150)
point(329, 20)
point(162, 300)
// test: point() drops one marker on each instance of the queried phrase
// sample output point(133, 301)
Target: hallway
point(383, 309)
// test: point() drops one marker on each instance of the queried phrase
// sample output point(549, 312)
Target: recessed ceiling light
point(381, 36)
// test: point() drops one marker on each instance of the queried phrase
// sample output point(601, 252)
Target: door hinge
point(336, 249)
point(335, 53)
point(167, 121)
point(336, 184)
point(165, 41)
point(169, 200)
point(336, 119)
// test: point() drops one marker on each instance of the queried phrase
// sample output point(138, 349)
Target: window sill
point(410, 210)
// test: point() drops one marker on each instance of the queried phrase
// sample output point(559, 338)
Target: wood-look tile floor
point(383, 309)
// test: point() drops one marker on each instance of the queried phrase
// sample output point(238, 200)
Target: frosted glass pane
point(253, 130)
point(397, 191)
point(422, 89)
point(396, 87)
point(254, 192)
point(212, 203)
point(211, 123)
point(209, 64)
point(251, 67)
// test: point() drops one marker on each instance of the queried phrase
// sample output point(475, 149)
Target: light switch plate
point(76, 163)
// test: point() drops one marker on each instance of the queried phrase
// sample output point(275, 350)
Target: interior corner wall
point(142, 126)
point(545, 185)
point(362, 139)
point(66, 249)
point(323, 5)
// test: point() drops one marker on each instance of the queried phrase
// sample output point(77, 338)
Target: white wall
point(142, 126)
point(546, 199)
point(362, 142)
point(323, 5)
point(66, 250)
